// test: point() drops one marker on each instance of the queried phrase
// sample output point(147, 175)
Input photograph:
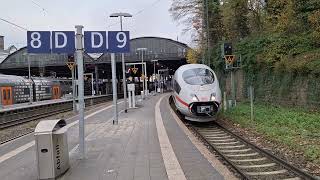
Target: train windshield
point(198, 76)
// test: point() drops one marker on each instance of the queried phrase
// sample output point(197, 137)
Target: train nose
point(204, 108)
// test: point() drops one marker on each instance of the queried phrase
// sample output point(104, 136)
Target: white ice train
point(196, 92)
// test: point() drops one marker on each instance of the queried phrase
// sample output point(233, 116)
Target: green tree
point(314, 21)
point(241, 11)
point(256, 16)
point(282, 16)
point(215, 22)
point(189, 13)
point(193, 56)
point(235, 19)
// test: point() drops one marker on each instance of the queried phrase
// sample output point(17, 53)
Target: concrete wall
point(284, 89)
point(239, 85)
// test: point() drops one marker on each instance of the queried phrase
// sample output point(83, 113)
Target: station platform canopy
point(20, 58)
point(151, 48)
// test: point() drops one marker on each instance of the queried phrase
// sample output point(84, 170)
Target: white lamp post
point(123, 63)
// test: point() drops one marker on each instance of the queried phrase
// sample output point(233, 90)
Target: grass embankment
point(295, 128)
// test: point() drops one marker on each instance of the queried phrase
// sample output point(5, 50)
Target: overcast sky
point(151, 17)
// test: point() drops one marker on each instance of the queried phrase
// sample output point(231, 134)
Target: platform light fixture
point(121, 15)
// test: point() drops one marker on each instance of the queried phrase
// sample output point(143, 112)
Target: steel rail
point(271, 157)
point(41, 111)
point(98, 101)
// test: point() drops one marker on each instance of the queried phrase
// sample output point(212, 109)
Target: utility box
point(131, 95)
point(131, 87)
point(51, 148)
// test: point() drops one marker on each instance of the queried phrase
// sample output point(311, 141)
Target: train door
point(6, 95)
point(56, 92)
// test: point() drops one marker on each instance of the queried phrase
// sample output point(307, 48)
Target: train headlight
point(213, 97)
point(194, 97)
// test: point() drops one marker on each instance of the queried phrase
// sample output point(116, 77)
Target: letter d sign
point(63, 42)
point(95, 41)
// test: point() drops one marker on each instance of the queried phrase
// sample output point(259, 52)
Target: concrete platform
point(148, 143)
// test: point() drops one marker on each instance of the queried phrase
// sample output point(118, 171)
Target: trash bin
point(51, 148)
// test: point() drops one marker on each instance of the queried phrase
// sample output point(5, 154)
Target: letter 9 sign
point(119, 41)
point(106, 42)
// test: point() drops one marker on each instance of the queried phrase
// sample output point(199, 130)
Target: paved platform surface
point(146, 144)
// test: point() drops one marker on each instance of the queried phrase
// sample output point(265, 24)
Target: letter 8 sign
point(38, 41)
point(47, 42)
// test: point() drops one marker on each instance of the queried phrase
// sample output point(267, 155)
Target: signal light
point(227, 49)
point(70, 58)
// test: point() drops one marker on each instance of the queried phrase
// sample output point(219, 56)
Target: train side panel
point(41, 88)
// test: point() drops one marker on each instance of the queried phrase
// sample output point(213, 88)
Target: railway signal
point(232, 63)
point(229, 59)
point(134, 70)
point(227, 47)
point(71, 65)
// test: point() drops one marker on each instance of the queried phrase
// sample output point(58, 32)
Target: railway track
point(249, 160)
point(35, 114)
point(16, 117)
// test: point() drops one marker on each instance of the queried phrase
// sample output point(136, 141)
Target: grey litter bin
point(51, 148)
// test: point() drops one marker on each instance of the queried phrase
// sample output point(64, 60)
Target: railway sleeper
point(257, 165)
point(236, 150)
point(230, 147)
point(267, 173)
point(242, 155)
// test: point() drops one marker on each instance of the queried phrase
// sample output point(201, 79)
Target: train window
point(198, 76)
point(26, 91)
point(9, 94)
point(4, 95)
point(47, 90)
point(176, 87)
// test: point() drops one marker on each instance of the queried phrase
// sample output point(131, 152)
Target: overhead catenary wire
point(151, 5)
point(25, 29)
point(14, 24)
point(39, 6)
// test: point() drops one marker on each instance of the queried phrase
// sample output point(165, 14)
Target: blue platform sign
point(39, 41)
point(106, 42)
point(64, 42)
point(95, 41)
point(119, 41)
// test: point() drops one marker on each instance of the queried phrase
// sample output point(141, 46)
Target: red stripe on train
point(182, 102)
